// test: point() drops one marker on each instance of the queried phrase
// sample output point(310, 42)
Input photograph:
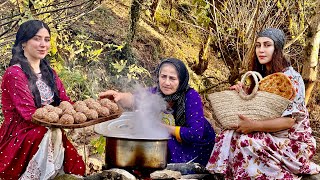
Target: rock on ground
point(165, 174)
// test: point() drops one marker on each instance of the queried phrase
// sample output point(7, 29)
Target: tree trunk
point(154, 8)
point(134, 19)
point(202, 64)
point(310, 67)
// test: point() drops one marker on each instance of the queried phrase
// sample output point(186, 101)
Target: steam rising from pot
point(144, 123)
point(148, 115)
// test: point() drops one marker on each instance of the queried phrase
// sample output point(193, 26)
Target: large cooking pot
point(147, 153)
point(126, 151)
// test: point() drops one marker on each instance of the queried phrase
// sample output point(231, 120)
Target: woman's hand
point(171, 129)
point(174, 130)
point(125, 100)
point(237, 87)
point(246, 125)
point(110, 94)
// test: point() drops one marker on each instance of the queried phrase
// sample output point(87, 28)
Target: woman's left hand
point(246, 125)
point(171, 129)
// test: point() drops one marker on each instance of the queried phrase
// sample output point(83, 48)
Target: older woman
point(276, 148)
point(28, 150)
point(192, 135)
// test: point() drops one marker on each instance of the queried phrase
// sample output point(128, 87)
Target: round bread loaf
point(278, 83)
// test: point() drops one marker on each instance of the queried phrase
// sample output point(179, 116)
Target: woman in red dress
point(28, 150)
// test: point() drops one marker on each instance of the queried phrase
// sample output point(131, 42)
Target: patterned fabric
point(261, 155)
point(45, 91)
point(19, 137)
point(168, 119)
point(197, 134)
point(48, 160)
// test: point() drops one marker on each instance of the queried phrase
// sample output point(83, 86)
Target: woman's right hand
point(124, 99)
point(237, 87)
point(110, 94)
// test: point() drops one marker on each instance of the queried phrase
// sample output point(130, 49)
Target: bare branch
point(10, 17)
point(213, 86)
point(63, 8)
point(77, 15)
point(14, 24)
point(2, 4)
point(296, 38)
point(7, 41)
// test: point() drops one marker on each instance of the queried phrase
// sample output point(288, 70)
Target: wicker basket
point(259, 105)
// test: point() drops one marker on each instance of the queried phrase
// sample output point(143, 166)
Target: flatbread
point(278, 83)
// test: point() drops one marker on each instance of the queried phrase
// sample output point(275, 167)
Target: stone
point(187, 168)
point(95, 162)
point(117, 174)
point(97, 176)
point(165, 174)
point(68, 177)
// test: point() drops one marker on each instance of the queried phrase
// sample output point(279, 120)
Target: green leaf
point(99, 145)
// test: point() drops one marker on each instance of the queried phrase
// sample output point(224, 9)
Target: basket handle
point(257, 77)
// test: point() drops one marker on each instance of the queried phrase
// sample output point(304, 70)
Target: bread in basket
point(259, 105)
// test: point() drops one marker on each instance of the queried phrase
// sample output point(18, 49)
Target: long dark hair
point(278, 62)
point(28, 30)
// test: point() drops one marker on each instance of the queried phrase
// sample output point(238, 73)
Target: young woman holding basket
point(276, 148)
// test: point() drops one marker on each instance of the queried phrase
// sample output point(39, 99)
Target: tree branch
point(213, 86)
point(296, 38)
point(17, 21)
point(63, 8)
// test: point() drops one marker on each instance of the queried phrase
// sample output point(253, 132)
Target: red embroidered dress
point(19, 137)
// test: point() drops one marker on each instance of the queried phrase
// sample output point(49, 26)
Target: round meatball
point(70, 111)
point(94, 105)
point(79, 117)
point(57, 110)
point(113, 107)
point(40, 113)
point(79, 103)
point(89, 101)
point(91, 114)
point(49, 107)
point(104, 101)
point(103, 111)
point(66, 119)
point(51, 117)
point(65, 105)
point(81, 108)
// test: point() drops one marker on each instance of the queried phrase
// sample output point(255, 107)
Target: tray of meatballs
point(77, 115)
